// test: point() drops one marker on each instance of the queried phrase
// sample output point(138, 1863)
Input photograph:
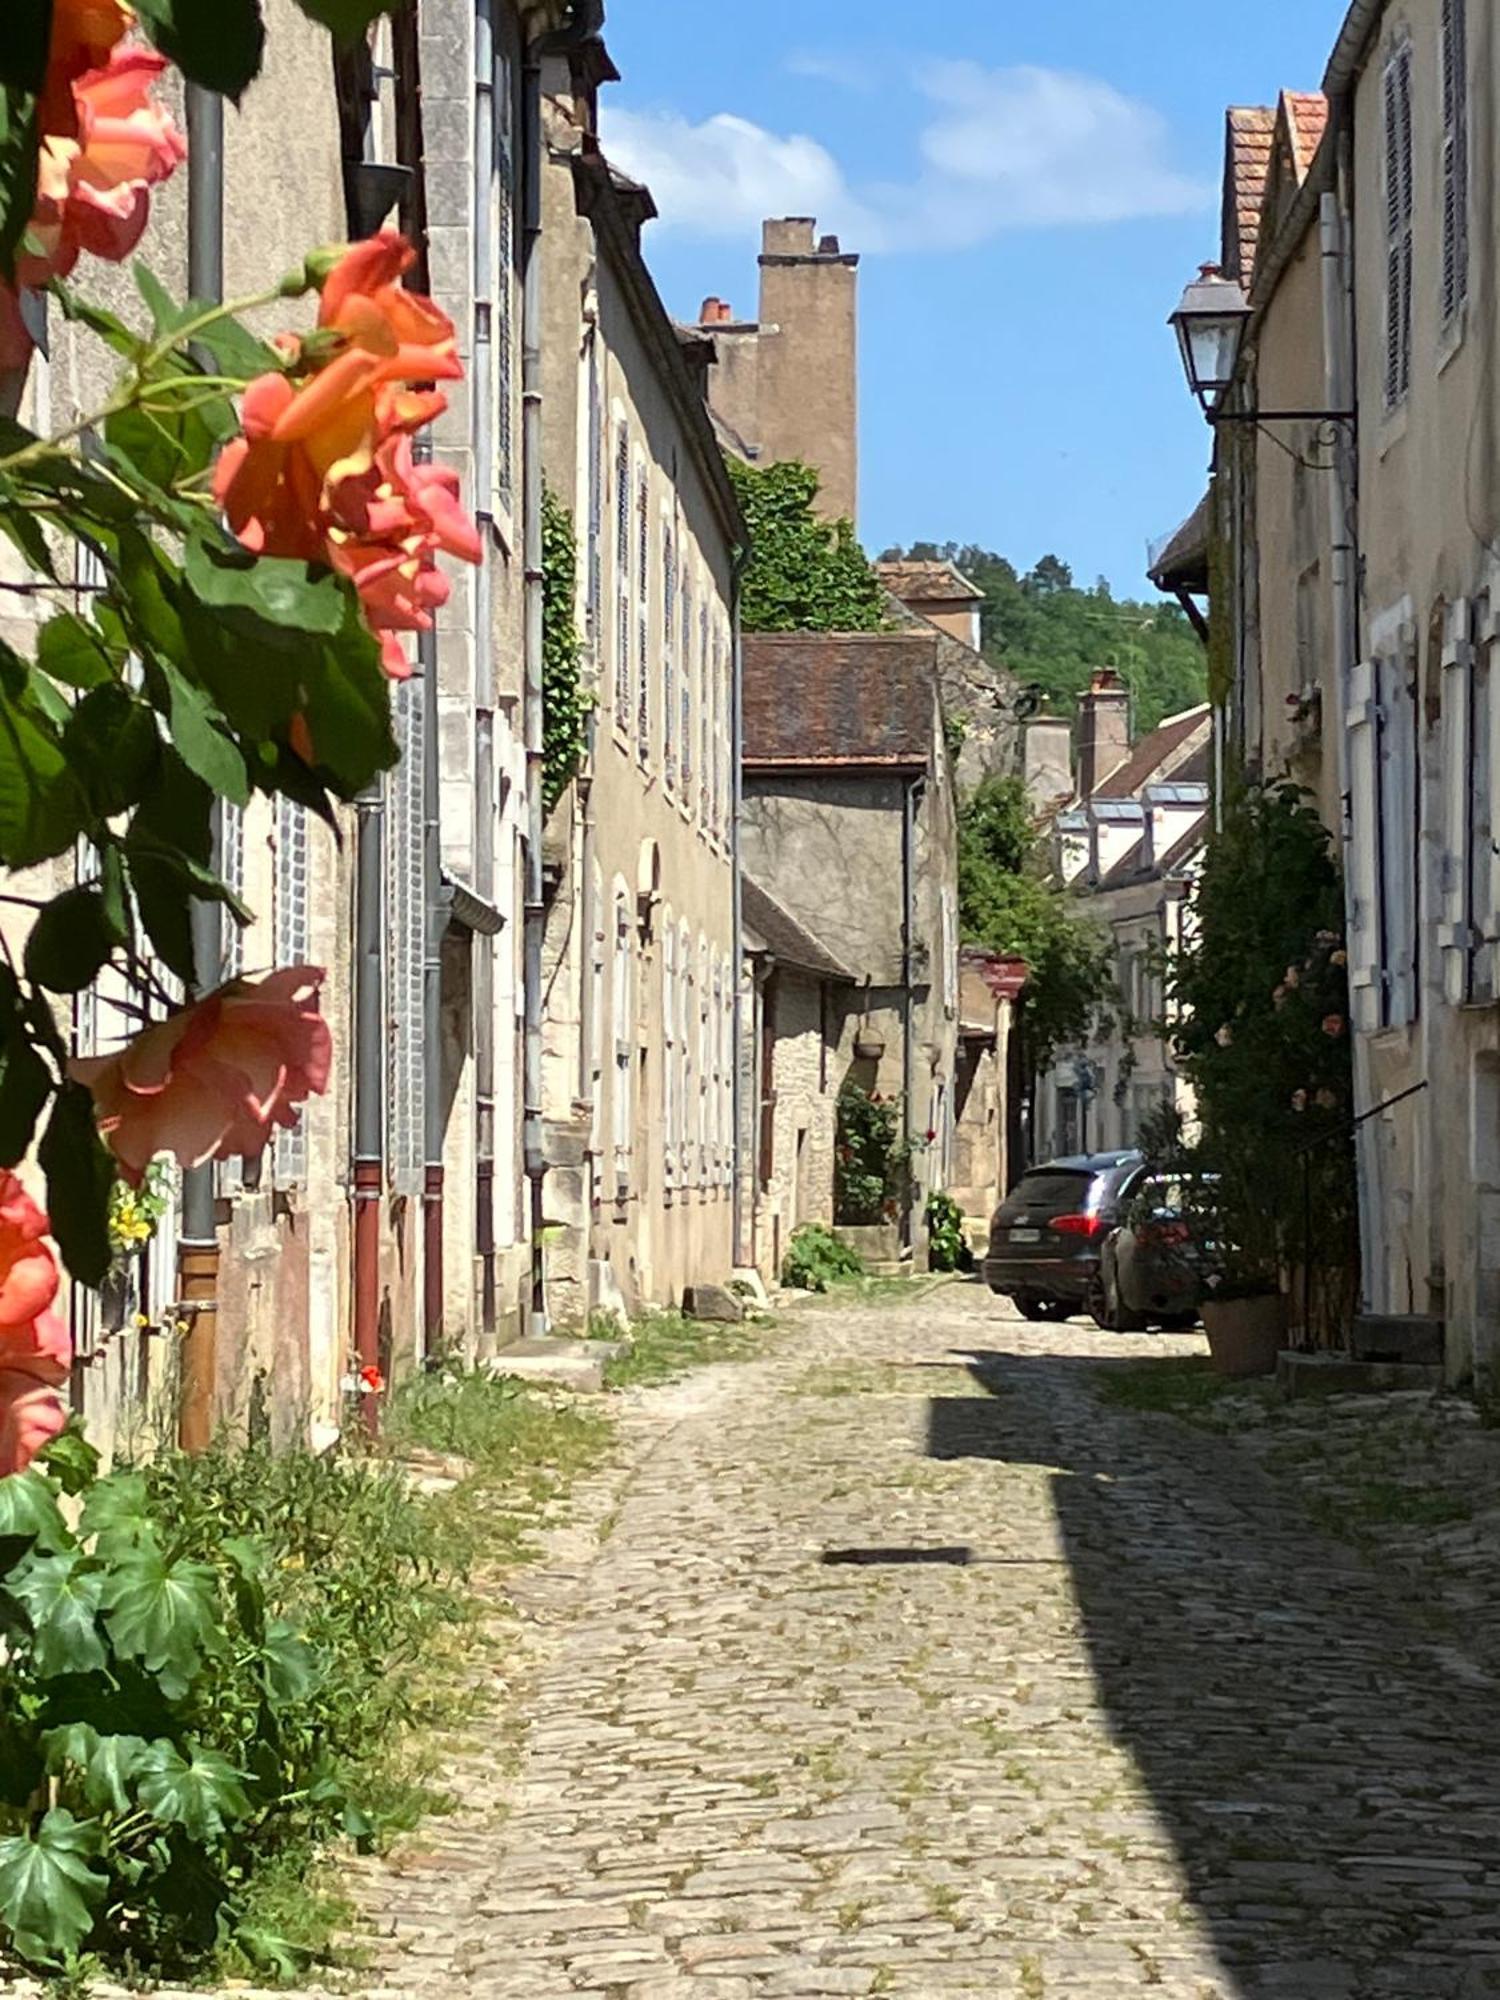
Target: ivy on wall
point(565, 701)
point(805, 574)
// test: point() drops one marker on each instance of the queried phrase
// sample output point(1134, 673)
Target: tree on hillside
point(1052, 635)
point(1009, 901)
point(805, 574)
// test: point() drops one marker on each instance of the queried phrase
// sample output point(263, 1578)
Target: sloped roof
point(1131, 865)
point(840, 698)
point(929, 582)
point(1181, 562)
point(783, 937)
point(1153, 757)
point(1306, 113)
point(1247, 163)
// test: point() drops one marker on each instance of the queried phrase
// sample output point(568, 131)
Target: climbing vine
point(565, 701)
point(805, 574)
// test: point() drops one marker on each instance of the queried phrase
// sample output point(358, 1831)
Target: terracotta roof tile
point(1150, 757)
point(1247, 163)
point(844, 698)
point(926, 582)
point(1307, 121)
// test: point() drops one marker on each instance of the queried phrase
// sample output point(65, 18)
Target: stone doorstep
point(1401, 1337)
point(558, 1363)
point(1302, 1375)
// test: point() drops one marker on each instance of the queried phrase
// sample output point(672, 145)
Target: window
point(293, 946)
point(1455, 159)
point(716, 1094)
point(669, 1076)
point(405, 932)
point(688, 992)
point(705, 1061)
point(706, 712)
point(948, 947)
point(595, 550)
point(623, 1003)
point(1468, 859)
point(505, 263)
point(687, 688)
point(643, 615)
point(1399, 203)
point(232, 870)
point(622, 580)
point(668, 640)
point(1383, 846)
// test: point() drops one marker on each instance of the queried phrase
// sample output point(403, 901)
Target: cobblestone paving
point(1131, 1726)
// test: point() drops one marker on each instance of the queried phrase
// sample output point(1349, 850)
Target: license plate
point(1026, 1236)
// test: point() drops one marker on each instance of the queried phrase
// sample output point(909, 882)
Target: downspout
point(369, 1080)
point(532, 707)
point(435, 923)
point(1341, 389)
point(744, 1252)
point(198, 1240)
point(911, 795)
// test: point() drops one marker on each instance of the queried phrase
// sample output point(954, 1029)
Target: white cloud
point(843, 71)
point(1019, 148)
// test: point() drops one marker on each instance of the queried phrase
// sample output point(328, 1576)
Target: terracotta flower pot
point(1245, 1335)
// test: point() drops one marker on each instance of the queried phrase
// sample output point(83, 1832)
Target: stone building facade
point(787, 383)
point(641, 964)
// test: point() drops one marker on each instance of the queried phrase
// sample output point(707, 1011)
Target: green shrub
point(947, 1240)
point(871, 1166)
point(815, 1258)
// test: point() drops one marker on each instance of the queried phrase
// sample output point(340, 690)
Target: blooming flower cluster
point(36, 1351)
point(214, 1080)
point(324, 471)
point(105, 143)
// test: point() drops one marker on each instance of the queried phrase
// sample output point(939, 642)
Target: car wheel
point(1050, 1310)
point(1178, 1322)
point(1110, 1311)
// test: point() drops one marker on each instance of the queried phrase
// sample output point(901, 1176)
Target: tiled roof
point(926, 582)
point(1131, 865)
point(1181, 562)
point(840, 698)
point(1247, 162)
point(1307, 121)
point(783, 937)
point(1152, 756)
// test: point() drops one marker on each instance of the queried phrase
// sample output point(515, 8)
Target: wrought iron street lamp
point(1210, 324)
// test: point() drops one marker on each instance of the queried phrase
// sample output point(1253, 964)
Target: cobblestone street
point(898, 1662)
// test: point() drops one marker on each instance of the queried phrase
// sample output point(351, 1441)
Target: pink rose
point(36, 1351)
point(1333, 1026)
point(214, 1080)
point(1299, 1100)
point(1225, 1036)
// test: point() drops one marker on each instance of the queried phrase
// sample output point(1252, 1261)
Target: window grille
point(293, 944)
point(505, 264)
point(595, 552)
point(1399, 206)
point(405, 930)
point(1455, 158)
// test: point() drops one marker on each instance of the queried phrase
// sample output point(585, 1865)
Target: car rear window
point(1059, 1193)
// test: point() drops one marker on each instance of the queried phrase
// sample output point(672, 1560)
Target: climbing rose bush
point(105, 143)
point(324, 471)
point(36, 1351)
point(216, 1079)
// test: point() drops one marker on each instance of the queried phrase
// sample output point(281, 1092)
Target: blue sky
point(1029, 196)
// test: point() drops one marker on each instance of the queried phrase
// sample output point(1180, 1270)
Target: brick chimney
point(1103, 730)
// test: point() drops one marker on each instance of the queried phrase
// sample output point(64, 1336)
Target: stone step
point(1411, 1337)
point(1303, 1375)
point(561, 1364)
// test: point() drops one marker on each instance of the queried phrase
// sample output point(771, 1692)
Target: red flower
point(371, 1381)
point(1333, 1026)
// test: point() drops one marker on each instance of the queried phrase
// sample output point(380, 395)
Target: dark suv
point(1047, 1234)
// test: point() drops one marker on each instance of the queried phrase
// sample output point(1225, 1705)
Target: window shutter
point(668, 641)
point(687, 688)
point(622, 580)
point(669, 1052)
point(1455, 158)
point(596, 477)
point(1454, 939)
point(293, 943)
point(1398, 759)
point(643, 616)
point(1365, 941)
point(406, 945)
point(1399, 190)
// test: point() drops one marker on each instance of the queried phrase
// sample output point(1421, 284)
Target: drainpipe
point(744, 1253)
point(432, 1002)
point(1336, 237)
point(369, 1078)
point(911, 798)
point(532, 710)
point(198, 1240)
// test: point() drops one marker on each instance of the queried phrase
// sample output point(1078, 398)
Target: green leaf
point(164, 1614)
point(42, 808)
point(71, 1460)
point(288, 1664)
point(18, 163)
point(348, 708)
point(113, 745)
point(117, 1515)
point(106, 1762)
point(202, 1793)
point(233, 349)
point(25, 37)
point(219, 46)
point(61, 1598)
point(110, 328)
point(29, 1517)
point(203, 746)
point(347, 20)
point(70, 942)
point(48, 1888)
point(25, 1087)
point(80, 1175)
point(165, 911)
point(295, 594)
point(25, 531)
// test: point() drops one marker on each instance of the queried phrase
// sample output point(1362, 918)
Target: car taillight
point(1168, 1234)
point(1078, 1225)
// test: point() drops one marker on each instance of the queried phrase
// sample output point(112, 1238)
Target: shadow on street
point(1330, 1777)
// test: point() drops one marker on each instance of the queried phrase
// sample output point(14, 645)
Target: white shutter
point(643, 615)
point(1455, 269)
point(1458, 749)
point(622, 580)
point(668, 641)
point(293, 942)
point(1398, 834)
point(1365, 943)
point(669, 1052)
point(405, 930)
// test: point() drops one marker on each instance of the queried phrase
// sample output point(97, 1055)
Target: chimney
point(709, 313)
point(1048, 761)
point(1103, 730)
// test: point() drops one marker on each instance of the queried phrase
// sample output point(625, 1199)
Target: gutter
point(1351, 50)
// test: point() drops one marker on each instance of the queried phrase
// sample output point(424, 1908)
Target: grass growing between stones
point(664, 1345)
point(1188, 1387)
